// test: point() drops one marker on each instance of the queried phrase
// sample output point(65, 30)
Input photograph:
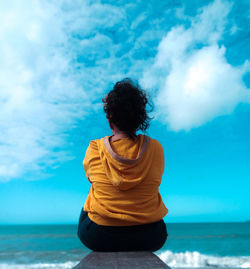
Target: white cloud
point(195, 80)
point(42, 92)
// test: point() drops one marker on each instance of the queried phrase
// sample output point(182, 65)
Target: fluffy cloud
point(44, 88)
point(195, 80)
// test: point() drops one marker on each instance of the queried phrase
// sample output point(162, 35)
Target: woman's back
point(125, 176)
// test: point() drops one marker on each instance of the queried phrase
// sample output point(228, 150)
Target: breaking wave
point(196, 259)
point(64, 265)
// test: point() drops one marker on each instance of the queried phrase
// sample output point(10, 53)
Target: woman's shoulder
point(155, 142)
point(96, 143)
point(93, 146)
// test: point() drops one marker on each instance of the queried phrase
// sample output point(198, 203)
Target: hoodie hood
point(125, 173)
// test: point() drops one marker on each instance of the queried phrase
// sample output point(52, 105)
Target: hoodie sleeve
point(91, 159)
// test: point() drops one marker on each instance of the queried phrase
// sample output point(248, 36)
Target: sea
point(209, 245)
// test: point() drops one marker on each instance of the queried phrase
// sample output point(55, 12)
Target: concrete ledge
point(121, 260)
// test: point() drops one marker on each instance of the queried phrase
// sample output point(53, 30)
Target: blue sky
point(59, 60)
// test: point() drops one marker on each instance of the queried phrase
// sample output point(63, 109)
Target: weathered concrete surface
point(121, 260)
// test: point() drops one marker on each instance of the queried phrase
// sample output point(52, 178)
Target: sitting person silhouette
point(124, 210)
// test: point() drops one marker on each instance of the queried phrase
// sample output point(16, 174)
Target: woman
point(124, 209)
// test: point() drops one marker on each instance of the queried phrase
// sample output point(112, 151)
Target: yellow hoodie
point(125, 176)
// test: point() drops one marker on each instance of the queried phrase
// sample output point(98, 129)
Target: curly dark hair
point(125, 106)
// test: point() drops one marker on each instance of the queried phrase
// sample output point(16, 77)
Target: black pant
point(146, 237)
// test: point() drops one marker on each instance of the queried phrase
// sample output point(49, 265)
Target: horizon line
point(71, 224)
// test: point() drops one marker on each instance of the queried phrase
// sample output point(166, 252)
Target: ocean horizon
point(70, 223)
point(212, 244)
